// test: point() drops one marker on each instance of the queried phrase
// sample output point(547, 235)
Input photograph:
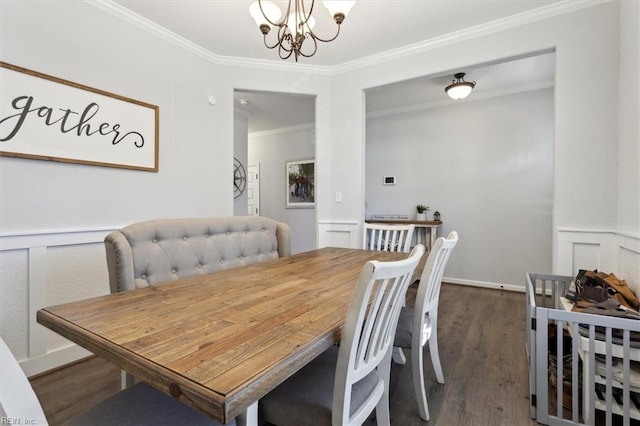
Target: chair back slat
point(431, 280)
point(388, 237)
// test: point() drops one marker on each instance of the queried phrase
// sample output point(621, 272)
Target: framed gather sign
point(48, 118)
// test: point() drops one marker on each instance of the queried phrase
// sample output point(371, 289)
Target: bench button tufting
point(154, 240)
point(173, 270)
point(184, 238)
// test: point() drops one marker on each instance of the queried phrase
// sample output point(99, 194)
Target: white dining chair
point(387, 237)
point(419, 325)
point(345, 384)
point(138, 405)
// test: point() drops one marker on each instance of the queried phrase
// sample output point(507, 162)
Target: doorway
point(272, 129)
point(484, 163)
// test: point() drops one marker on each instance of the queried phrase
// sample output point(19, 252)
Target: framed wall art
point(300, 182)
point(47, 118)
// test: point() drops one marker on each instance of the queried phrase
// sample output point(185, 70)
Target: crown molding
point(283, 130)
point(155, 29)
point(446, 102)
point(545, 12)
point(264, 64)
point(152, 28)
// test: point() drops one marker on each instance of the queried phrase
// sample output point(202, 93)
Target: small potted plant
point(422, 212)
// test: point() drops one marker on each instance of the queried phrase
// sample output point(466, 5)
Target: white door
point(253, 190)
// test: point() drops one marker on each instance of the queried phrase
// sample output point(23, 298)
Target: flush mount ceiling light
point(297, 25)
point(459, 89)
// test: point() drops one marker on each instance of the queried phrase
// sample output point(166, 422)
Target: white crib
point(606, 395)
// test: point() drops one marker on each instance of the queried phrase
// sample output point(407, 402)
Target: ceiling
point(268, 111)
point(372, 28)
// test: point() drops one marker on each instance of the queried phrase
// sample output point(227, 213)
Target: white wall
point(271, 149)
point(240, 152)
point(486, 165)
point(585, 125)
point(81, 43)
point(629, 120)
point(53, 216)
point(626, 247)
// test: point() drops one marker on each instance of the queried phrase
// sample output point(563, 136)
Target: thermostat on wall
point(389, 180)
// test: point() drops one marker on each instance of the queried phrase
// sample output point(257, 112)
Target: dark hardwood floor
point(482, 350)
point(481, 337)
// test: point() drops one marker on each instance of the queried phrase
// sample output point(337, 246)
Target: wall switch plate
point(339, 197)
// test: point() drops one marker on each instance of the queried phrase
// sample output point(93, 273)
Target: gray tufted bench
point(156, 251)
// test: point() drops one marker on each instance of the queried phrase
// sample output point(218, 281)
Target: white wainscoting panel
point(338, 234)
point(50, 267)
point(584, 249)
point(604, 250)
point(41, 269)
point(628, 255)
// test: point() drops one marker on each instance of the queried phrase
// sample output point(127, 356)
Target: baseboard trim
point(485, 284)
point(54, 359)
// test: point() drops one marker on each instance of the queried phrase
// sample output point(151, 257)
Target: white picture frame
point(300, 184)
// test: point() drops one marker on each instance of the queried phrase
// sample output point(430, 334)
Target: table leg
point(433, 233)
point(126, 380)
point(249, 417)
point(419, 236)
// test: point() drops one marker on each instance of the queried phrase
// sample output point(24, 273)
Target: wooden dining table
point(220, 342)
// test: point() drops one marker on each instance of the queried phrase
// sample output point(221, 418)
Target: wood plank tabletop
point(220, 342)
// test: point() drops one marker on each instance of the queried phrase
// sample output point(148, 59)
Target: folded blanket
point(610, 308)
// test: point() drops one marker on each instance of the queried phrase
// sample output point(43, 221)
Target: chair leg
point(126, 380)
point(435, 355)
point(383, 417)
point(398, 356)
point(418, 381)
point(249, 416)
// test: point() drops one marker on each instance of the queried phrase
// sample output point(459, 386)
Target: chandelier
point(296, 27)
point(459, 89)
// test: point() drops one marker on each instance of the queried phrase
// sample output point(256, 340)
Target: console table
point(429, 227)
